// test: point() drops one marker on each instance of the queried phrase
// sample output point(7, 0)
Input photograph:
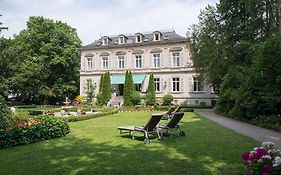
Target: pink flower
point(261, 152)
point(266, 167)
point(246, 155)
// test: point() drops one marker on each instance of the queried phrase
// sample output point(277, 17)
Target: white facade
point(168, 60)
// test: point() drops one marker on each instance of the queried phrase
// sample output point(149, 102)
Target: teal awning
point(120, 79)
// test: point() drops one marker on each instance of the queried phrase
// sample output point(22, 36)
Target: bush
point(150, 99)
point(4, 114)
point(49, 127)
point(100, 99)
point(167, 100)
point(136, 98)
point(73, 118)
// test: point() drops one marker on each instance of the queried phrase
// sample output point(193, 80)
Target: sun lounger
point(148, 128)
point(172, 125)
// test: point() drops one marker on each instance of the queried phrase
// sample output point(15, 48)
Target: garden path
point(255, 132)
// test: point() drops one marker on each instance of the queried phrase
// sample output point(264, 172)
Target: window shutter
point(151, 61)
point(181, 84)
point(85, 64)
point(116, 63)
point(182, 61)
point(133, 62)
point(161, 61)
point(190, 83)
point(170, 59)
point(161, 84)
point(169, 85)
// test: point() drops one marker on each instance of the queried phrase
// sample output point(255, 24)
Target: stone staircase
point(116, 101)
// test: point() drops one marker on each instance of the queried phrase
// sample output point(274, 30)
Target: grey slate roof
point(166, 37)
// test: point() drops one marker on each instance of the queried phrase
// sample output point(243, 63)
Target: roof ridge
point(145, 33)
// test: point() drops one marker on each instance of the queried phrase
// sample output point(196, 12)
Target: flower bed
point(41, 128)
point(265, 160)
point(75, 118)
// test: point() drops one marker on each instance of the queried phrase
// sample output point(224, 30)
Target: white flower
point(277, 161)
point(266, 157)
point(268, 144)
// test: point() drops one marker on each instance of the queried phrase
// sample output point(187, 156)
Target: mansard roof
point(166, 37)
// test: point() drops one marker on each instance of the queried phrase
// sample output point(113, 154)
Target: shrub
point(48, 127)
point(73, 118)
point(4, 114)
point(136, 98)
point(150, 99)
point(100, 99)
point(167, 100)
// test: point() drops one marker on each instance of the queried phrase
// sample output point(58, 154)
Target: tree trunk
point(279, 15)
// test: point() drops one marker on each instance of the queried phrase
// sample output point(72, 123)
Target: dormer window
point(105, 41)
point(138, 38)
point(156, 36)
point(121, 39)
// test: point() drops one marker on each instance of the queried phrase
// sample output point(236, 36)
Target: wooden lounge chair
point(168, 114)
point(148, 128)
point(171, 113)
point(172, 125)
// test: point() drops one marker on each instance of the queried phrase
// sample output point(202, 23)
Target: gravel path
point(255, 132)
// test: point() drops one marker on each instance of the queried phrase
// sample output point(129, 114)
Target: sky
point(96, 18)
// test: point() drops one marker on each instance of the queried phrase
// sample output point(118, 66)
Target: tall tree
point(107, 87)
point(150, 94)
point(48, 59)
point(129, 88)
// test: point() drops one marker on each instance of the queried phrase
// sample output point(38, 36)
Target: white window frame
point(156, 60)
point(175, 84)
point(121, 40)
point(138, 61)
point(105, 41)
point(138, 38)
point(157, 84)
point(89, 63)
point(105, 62)
point(157, 37)
point(121, 61)
point(176, 60)
point(197, 85)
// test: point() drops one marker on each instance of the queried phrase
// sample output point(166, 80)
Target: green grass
point(95, 147)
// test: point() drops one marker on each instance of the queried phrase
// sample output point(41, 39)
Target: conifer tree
point(127, 96)
point(150, 95)
point(106, 87)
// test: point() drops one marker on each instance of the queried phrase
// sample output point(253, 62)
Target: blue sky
point(93, 18)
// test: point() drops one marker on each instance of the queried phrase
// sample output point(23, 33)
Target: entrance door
point(121, 89)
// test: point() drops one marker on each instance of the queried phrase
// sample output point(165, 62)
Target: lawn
point(95, 147)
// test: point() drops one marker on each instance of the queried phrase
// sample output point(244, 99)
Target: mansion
point(162, 53)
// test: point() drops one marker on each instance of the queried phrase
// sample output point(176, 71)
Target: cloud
point(93, 18)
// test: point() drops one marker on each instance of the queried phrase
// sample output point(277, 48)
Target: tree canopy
point(43, 60)
point(236, 47)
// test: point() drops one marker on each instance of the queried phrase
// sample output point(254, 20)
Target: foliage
point(150, 95)
point(43, 61)
point(236, 47)
point(104, 93)
point(49, 127)
point(90, 91)
point(136, 98)
point(73, 118)
point(129, 88)
point(107, 87)
point(80, 99)
point(263, 160)
point(4, 114)
point(167, 100)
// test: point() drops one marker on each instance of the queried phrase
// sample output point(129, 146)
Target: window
point(156, 36)
point(176, 59)
point(138, 61)
point(121, 40)
point(105, 41)
point(157, 84)
point(138, 38)
point(156, 60)
point(89, 63)
point(121, 62)
point(88, 85)
point(197, 85)
point(105, 62)
point(176, 84)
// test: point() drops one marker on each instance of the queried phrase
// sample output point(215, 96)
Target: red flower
point(246, 155)
point(261, 152)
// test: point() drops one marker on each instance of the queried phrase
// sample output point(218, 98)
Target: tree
point(47, 63)
point(150, 95)
point(129, 88)
point(90, 91)
point(107, 87)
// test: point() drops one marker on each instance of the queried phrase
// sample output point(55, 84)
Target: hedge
point(49, 127)
point(73, 118)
